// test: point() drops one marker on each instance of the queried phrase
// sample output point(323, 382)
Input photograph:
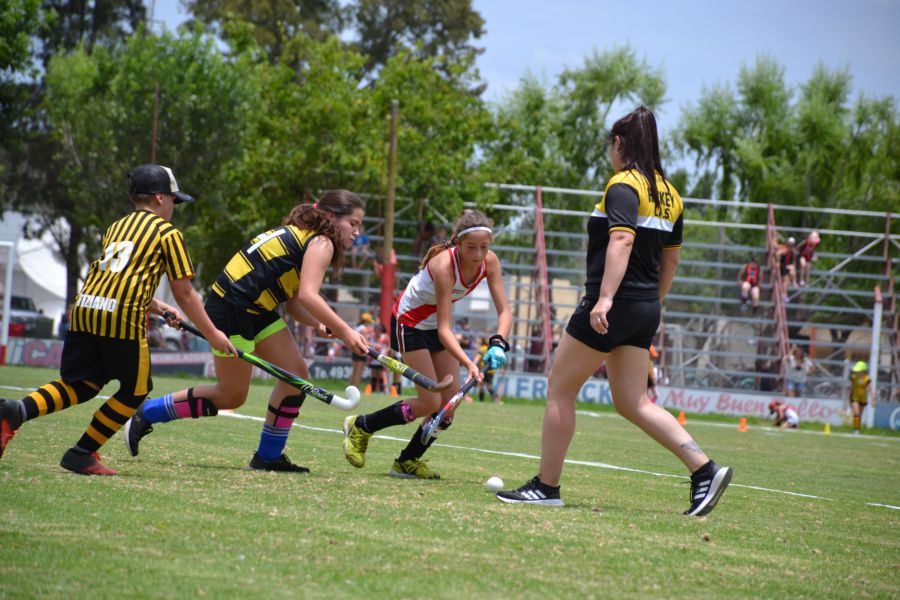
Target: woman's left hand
point(323, 331)
point(598, 315)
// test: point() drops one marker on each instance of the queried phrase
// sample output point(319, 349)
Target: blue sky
point(696, 42)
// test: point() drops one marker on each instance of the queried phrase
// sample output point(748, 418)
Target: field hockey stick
point(407, 371)
point(313, 390)
point(432, 425)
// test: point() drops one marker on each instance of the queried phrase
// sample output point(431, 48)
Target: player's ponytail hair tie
point(476, 228)
point(315, 205)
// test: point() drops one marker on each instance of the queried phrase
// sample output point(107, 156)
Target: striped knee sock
point(274, 437)
point(108, 419)
point(165, 408)
point(54, 397)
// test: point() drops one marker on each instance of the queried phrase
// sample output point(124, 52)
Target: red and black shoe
point(10, 421)
point(84, 463)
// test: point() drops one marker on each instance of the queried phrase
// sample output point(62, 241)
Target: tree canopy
point(298, 101)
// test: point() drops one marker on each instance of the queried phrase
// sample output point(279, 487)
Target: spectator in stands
point(464, 336)
point(427, 233)
point(785, 416)
point(860, 392)
point(768, 374)
point(365, 328)
point(787, 254)
point(381, 343)
point(64, 321)
point(748, 279)
point(360, 250)
point(806, 254)
point(797, 369)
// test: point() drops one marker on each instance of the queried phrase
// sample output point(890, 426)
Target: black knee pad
point(200, 407)
point(288, 402)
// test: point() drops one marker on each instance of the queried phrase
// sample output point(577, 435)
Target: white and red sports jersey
point(417, 306)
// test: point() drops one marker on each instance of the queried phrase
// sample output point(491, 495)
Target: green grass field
point(185, 519)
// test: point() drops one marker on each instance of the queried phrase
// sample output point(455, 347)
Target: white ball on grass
point(494, 484)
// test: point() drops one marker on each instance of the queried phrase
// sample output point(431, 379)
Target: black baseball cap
point(155, 179)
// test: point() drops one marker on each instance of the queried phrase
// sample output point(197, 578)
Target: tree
point(527, 144)
point(606, 80)
point(810, 146)
point(98, 113)
point(557, 135)
point(19, 20)
point(80, 23)
point(310, 130)
point(273, 22)
point(428, 28)
point(441, 127)
point(377, 29)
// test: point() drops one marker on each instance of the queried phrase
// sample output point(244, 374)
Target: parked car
point(161, 337)
point(25, 320)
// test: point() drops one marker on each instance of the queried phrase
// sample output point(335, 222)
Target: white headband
point(471, 229)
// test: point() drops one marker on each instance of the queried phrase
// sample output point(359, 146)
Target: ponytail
point(640, 148)
point(320, 217)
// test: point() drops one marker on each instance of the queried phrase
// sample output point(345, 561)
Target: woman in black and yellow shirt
point(634, 239)
point(285, 266)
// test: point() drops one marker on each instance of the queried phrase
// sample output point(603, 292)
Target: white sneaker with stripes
point(533, 492)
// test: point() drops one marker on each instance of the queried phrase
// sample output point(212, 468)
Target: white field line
point(764, 429)
point(568, 461)
point(584, 463)
point(588, 413)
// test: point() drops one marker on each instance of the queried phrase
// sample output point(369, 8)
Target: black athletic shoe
point(533, 492)
point(135, 429)
point(85, 463)
point(707, 485)
point(10, 421)
point(282, 463)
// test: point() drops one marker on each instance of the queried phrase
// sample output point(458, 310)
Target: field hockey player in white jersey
point(422, 331)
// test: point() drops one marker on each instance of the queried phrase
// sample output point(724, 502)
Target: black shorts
point(407, 339)
point(631, 323)
point(99, 360)
point(244, 329)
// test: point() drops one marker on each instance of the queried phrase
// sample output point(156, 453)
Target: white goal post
point(7, 264)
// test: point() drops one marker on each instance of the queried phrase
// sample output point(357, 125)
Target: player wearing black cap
point(107, 337)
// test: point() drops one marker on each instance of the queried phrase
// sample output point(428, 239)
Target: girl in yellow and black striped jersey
point(107, 337)
point(634, 241)
point(283, 266)
point(860, 392)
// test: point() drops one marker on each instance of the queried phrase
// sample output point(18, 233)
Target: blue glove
point(495, 357)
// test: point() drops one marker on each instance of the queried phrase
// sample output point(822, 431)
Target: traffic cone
point(827, 429)
point(742, 424)
point(394, 393)
point(368, 389)
point(681, 418)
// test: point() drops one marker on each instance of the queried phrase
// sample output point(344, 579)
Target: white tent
point(38, 272)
